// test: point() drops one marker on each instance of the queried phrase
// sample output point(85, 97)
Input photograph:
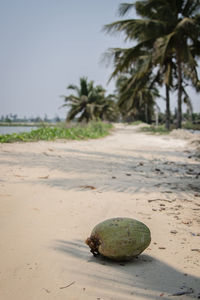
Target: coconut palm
point(136, 97)
point(168, 31)
point(107, 108)
point(178, 43)
point(145, 33)
point(88, 102)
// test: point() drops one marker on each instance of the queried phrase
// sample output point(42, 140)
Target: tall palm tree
point(136, 97)
point(179, 42)
point(168, 28)
point(145, 32)
point(88, 102)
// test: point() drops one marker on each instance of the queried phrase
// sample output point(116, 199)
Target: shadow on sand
point(144, 276)
point(110, 171)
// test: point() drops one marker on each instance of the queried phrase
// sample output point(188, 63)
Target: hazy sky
point(47, 45)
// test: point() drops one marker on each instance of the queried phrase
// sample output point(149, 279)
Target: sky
point(45, 45)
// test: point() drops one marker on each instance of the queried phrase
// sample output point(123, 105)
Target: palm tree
point(107, 108)
point(168, 28)
point(88, 102)
point(136, 97)
point(180, 41)
point(145, 33)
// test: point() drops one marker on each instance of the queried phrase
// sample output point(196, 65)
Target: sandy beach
point(52, 194)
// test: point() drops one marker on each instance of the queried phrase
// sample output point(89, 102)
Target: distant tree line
point(13, 118)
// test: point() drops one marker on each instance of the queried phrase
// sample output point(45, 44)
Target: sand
point(52, 194)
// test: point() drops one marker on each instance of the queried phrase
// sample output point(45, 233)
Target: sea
point(15, 129)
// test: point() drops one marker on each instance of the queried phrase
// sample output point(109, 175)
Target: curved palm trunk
point(167, 121)
point(179, 106)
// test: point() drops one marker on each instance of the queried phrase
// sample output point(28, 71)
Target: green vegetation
point(161, 129)
point(190, 125)
point(92, 130)
point(136, 101)
point(89, 103)
point(155, 129)
point(136, 123)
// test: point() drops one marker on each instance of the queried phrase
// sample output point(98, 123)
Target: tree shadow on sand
point(145, 276)
point(109, 171)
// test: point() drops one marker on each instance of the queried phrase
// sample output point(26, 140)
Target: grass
point(190, 125)
point(78, 132)
point(155, 129)
point(162, 130)
point(135, 123)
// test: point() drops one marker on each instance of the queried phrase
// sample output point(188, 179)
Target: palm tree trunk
point(146, 113)
point(167, 121)
point(179, 107)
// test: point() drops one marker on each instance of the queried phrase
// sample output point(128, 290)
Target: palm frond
point(187, 57)
point(191, 7)
point(73, 112)
point(168, 75)
point(190, 73)
point(71, 99)
point(155, 9)
point(123, 59)
point(75, 88)
point(187, 100)
point(195, 48)
point(186, 27)
point(163, 47)
point(83, 86)
point(136, 29)
point(124, 8)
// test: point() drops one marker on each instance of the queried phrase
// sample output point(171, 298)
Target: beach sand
point(52, 194)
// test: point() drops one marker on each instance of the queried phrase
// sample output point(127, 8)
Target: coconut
point(119, 238)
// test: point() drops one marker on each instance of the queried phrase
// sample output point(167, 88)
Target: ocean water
point(15, 129)
point(194, 131)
